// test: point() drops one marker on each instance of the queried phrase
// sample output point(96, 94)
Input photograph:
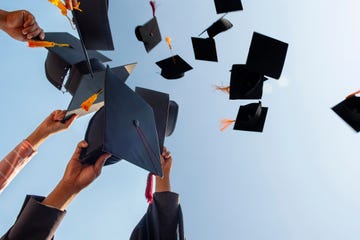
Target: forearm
point(37, 137)
point(2, 18)
point(60, 197)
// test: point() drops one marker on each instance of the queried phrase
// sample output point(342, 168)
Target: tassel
point(168, 41)
point(86, 105)
point(153, 7)
point(225, 123)
point(353, 94)
point(222, 89)
point(149, 188)
point(77, 7)
point(33, 44)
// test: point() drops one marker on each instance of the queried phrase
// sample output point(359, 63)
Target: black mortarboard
point(266, 55)
point(160, 103)
point(82, 86)
point(93, 25)
point(124, 127)
point(217, 27)
point(60, 59)
point(251, 117)
point(223, 6)
point(149, 34)
point(173, 67)
point(204, 49)
point(245, 84)
point(349, 111)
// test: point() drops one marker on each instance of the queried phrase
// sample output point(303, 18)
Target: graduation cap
point(93, 25)
point(173, 67)
point(221, 25)
point(149, 34)
point(266, 55)
point(349, 111)
point(165, 111)
point(245, 84)
point(60, 59)
point(251, 117)
point(224, 6)
point(125, 127)
point(204, 49)
point(88, 95)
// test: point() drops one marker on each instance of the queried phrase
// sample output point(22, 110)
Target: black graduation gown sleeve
point(162, 221)
point(35, 221)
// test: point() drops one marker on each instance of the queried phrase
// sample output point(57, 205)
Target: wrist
point(61, 196)
point(162, 184)
point(37, 137)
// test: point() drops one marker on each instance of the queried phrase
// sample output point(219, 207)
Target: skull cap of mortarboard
point(224, 6)
point(149, 34)
point(93, 25)
point(125, 127)
point(173, 67)
point(349, 111)
point(245, 84)
point(251, 117)
point(204, 49)
point(266, 55)
point(217, 27)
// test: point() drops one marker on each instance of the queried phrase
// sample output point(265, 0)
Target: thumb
point(100, 163)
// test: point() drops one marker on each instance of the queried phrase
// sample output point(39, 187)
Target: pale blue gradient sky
point(297, 180)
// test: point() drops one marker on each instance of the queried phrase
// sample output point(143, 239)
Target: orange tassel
point(149, 188)
point(168, 41)
point(77, 7)
point(222, 89)
point(33, 44)
point(225, 123)
point(86, 105)
point(353, 94)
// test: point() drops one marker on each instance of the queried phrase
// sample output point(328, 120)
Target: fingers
point(70, 120)
point(28, 18)
point(70, 4)
point(30, 27)
point(79, 148)
point(100, 163)
point(58, 115)
point(166, 154)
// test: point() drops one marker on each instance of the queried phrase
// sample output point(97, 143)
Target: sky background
point(299, 179)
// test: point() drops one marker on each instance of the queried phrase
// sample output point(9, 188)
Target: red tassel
point(153, 7)
point(149, 188)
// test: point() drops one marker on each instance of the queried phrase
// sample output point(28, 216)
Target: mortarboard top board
point(125, 127)
point(83, 86)
point(224, 6)
point(349, 111)
point(266, 55)
point(149, 34)
point(93, 25)
point(159, 102)
point(204, 49)
point(245, 84)
point(251, 117)
point(217, 27)
point(60, 59)
point(173, 67)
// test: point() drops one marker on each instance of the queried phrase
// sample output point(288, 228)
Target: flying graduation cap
point(124, 127)
point(173, 67)
point(60, 59)
point(244, 84)
point(266, 55)
point(224, 6)
point(93, 25)
point(165, 112)
point(149, 34)
point(251, 117)
point(205, 48)
point(349, 111)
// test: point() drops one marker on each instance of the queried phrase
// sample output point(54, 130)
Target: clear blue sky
point(297, 180)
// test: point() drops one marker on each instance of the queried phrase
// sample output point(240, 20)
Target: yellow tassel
point(86, 105)
point(222, 89)
point(225, 123)
point(33, 43)
point(168, 41)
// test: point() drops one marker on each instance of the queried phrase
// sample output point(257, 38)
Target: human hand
point(70, 4)
point(77, 176)
point(163, 184)
point(52, 124)
point(21, 25)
